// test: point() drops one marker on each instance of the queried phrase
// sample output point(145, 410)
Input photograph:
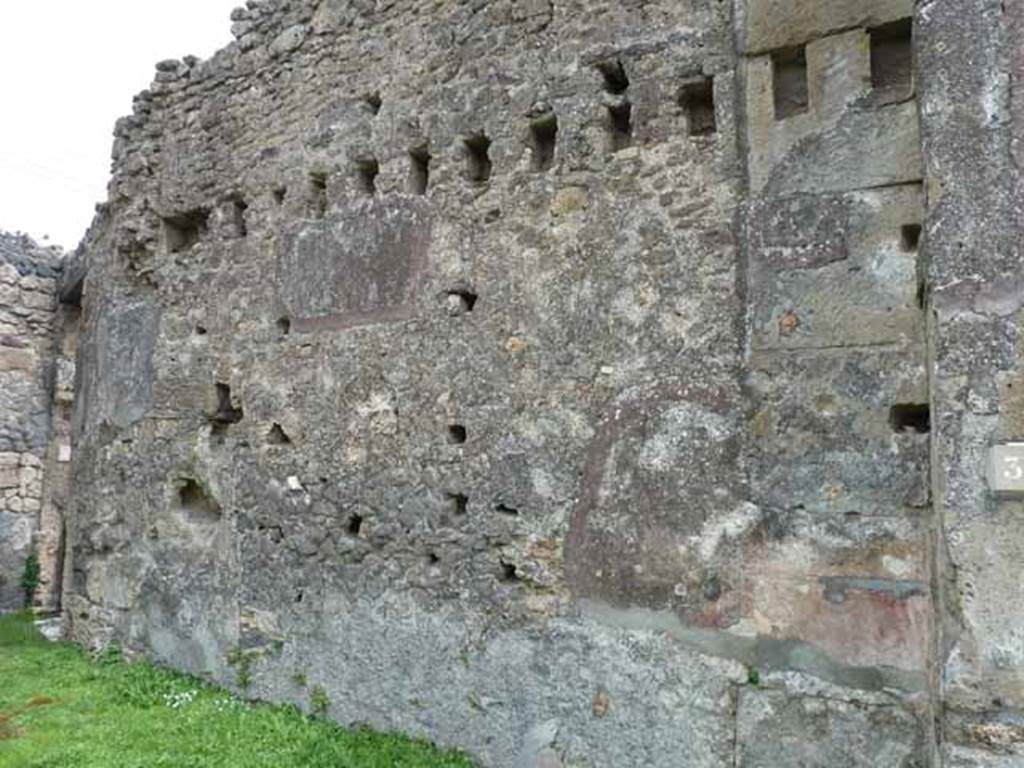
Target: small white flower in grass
point(228, 704)
point(179, 699)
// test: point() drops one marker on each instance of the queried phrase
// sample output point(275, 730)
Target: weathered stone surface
point(343, 363)
point(974, 184)
point(769, 24)
point(117, 375)
point(581, 384)
point(27, 303)
point(851, 279)
point(837, 454)
point(518, 699)
point(781, 730)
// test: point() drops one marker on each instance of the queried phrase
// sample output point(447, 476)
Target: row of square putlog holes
point(891, 72)
point(891, 69)
point(695, 98)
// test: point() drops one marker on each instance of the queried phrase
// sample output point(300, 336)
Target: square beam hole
point(892, 61)
point(614, 74)
point(697, 100)
point(910, 237)
point(460, 301)
point(318, 195)
point(620, 125)
point(911, 417)
point(239, 224)
point(789, 82)
point(226, 412)
point(419, 170)
point(458, 504)
point(185, 230)
point(196, 503)
point(373, 102)
point(478, 158)
point(543, 140)
point(367, 171)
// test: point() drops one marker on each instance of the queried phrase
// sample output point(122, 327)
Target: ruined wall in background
point(28, 301)
point(558, 380)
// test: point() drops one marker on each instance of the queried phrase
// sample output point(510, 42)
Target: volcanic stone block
point(777, 729)
point(356, 267)
point(824, 440)
point(118, 369)
point(850, 277)
point(843, 140)
point(775, 24)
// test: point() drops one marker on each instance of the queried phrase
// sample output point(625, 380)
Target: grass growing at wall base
point(61, 709)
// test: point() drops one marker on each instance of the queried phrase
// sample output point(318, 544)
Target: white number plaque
point(1006, 469)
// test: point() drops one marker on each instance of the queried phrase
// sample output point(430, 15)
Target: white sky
point(68, 70)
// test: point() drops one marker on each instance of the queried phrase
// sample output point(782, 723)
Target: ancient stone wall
point(28, 275)
point(971, 62)
point(838, 447)
point(578, 383)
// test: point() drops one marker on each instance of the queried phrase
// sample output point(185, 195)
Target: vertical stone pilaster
point(969, 59)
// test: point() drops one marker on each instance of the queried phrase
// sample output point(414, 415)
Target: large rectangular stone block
point(777, 729)
point(769, 24)
point(851, 278)
point(357, 267)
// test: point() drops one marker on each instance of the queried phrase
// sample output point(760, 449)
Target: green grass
point(61, 709)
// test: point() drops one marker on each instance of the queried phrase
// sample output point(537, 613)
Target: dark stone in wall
point(116, 362)
point(357, 267)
